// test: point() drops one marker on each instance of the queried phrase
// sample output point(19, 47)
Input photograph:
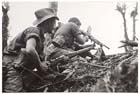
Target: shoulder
point(67, 26)
point(71, 24)
point(32, 32)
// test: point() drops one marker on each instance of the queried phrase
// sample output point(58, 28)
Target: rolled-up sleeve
point(59, 41)
point(32, 32)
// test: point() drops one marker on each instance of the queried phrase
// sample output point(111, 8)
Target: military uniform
point(63, 40)
point(12, 79)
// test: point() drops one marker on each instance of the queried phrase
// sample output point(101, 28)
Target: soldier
point(64, 39)
point(31, 39)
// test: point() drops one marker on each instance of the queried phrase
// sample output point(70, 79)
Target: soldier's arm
point(31, 51)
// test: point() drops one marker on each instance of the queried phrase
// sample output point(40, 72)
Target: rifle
point(71, 54)
point(92, 38)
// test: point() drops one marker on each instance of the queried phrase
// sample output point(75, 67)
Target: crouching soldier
point(31, 39)
point(64, 39)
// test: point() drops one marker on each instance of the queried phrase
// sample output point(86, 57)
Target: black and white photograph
point(70, 46)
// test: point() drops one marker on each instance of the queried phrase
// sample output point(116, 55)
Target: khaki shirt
point(66, 35)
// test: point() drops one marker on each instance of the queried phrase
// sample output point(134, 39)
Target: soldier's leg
point(4, 72)
point(13, 82)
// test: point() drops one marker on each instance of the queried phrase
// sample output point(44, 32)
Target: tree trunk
point(122, 10)
point(134, 32)
point(134, 13)
point(54, 5)
point(125, 31)
point(5, 22)
point(125, 28)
